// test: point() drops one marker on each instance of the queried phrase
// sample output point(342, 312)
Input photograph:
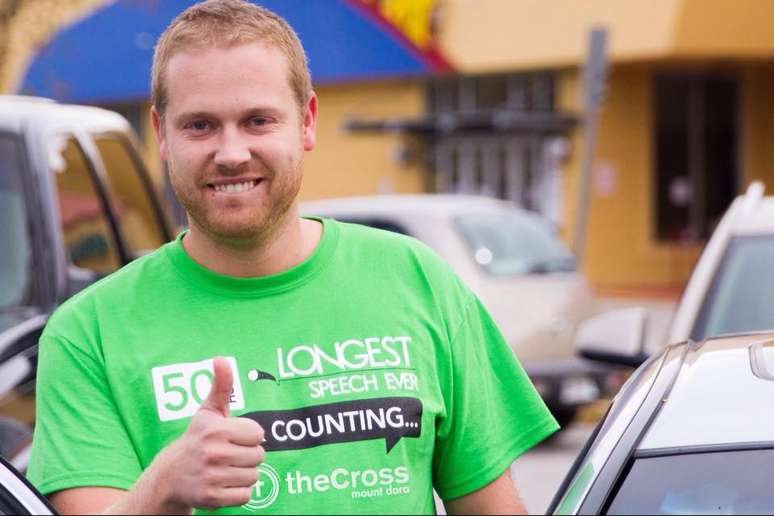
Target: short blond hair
point(226, 23)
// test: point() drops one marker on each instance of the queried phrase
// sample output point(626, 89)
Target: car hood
point(537, 313)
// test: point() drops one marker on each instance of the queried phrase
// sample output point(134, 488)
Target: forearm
point(148, 496)
point(499, 497)
point(145, 497)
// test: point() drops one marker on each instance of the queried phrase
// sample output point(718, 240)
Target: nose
point(232, 151)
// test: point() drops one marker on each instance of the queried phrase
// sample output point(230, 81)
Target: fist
point(214, 463)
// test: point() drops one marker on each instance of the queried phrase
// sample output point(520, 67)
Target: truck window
point(15, 247)
point(134, 210)
point(85, 228)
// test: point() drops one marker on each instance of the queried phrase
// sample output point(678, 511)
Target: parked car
point(76, 203)
point(18, 496)
point(520, 270)
point(690, 433)
point(732, 284)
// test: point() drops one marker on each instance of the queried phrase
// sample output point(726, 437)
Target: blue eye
point(259, 121)
point(199, 125)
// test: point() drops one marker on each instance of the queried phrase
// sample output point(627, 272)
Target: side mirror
point(616, 337)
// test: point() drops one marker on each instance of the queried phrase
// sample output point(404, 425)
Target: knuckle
point(215, 433)
point(212, 456)
point(211, 479)
point(210, 499)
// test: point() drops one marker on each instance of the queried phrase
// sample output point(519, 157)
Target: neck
point(280, 248)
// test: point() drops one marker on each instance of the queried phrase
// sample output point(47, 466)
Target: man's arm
point(499, 497)
point(213, 464)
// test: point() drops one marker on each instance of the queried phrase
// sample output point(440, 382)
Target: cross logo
point(265, 490)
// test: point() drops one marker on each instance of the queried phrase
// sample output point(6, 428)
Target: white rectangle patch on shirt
point(182, 388)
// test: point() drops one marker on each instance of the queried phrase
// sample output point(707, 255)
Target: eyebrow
point(249, 112)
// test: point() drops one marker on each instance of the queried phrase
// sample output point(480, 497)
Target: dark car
point(76, 203)
point(17, 496)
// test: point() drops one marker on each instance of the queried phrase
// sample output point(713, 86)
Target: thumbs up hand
point(214, 463)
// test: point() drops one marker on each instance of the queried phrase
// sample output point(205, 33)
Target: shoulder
point(409, 266)
point(82, 307)
point(391, 247)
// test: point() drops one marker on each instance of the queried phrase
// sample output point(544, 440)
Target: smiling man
point(263, 362)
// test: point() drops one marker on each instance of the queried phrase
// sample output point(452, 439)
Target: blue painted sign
point(106, 57)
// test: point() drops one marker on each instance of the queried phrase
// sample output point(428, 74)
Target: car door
point(17, 496)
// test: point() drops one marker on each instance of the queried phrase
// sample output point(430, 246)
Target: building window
point(696, 125)
point(498, 163)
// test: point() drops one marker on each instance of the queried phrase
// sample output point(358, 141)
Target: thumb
point(220, 392)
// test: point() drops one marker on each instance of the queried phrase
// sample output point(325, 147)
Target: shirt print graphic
point(331, 377)
point(354, 366)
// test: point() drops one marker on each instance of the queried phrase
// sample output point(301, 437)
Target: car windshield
point(14, 237)
point(738, 299)
point(509, 242)
point(722, 482)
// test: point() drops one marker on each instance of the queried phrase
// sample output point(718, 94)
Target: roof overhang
point(444, 124)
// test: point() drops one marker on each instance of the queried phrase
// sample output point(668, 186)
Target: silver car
point(514, 262)
point(690, 433)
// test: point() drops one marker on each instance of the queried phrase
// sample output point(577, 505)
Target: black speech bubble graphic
point(347, 421)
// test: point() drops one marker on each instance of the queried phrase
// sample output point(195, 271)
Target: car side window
point(135, 212)
point(86, 229)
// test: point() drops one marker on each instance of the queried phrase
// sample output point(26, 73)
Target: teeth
point(236, 188)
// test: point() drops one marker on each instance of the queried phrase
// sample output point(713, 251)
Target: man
point(362, 371)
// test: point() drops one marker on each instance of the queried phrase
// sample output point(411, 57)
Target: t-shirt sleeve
point(493, 413)
point(79, 438)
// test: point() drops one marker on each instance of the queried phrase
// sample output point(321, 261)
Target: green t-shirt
point(374, 371)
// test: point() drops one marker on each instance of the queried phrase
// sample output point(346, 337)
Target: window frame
point(161, 220)
point(35, 286)
point(95, 170)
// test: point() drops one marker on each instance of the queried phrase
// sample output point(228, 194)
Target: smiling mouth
point(236, 187)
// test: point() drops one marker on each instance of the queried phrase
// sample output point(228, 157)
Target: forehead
point(219, 75)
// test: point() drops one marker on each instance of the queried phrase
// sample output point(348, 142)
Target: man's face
point(234, 137)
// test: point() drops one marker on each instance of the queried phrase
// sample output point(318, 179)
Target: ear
point(158, 128)
point(310, 123)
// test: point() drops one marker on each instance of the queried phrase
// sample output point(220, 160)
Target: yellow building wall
point(479, 36)
point(621, 251)
point(345, 164)
point(719, 28)
point(757, 106)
